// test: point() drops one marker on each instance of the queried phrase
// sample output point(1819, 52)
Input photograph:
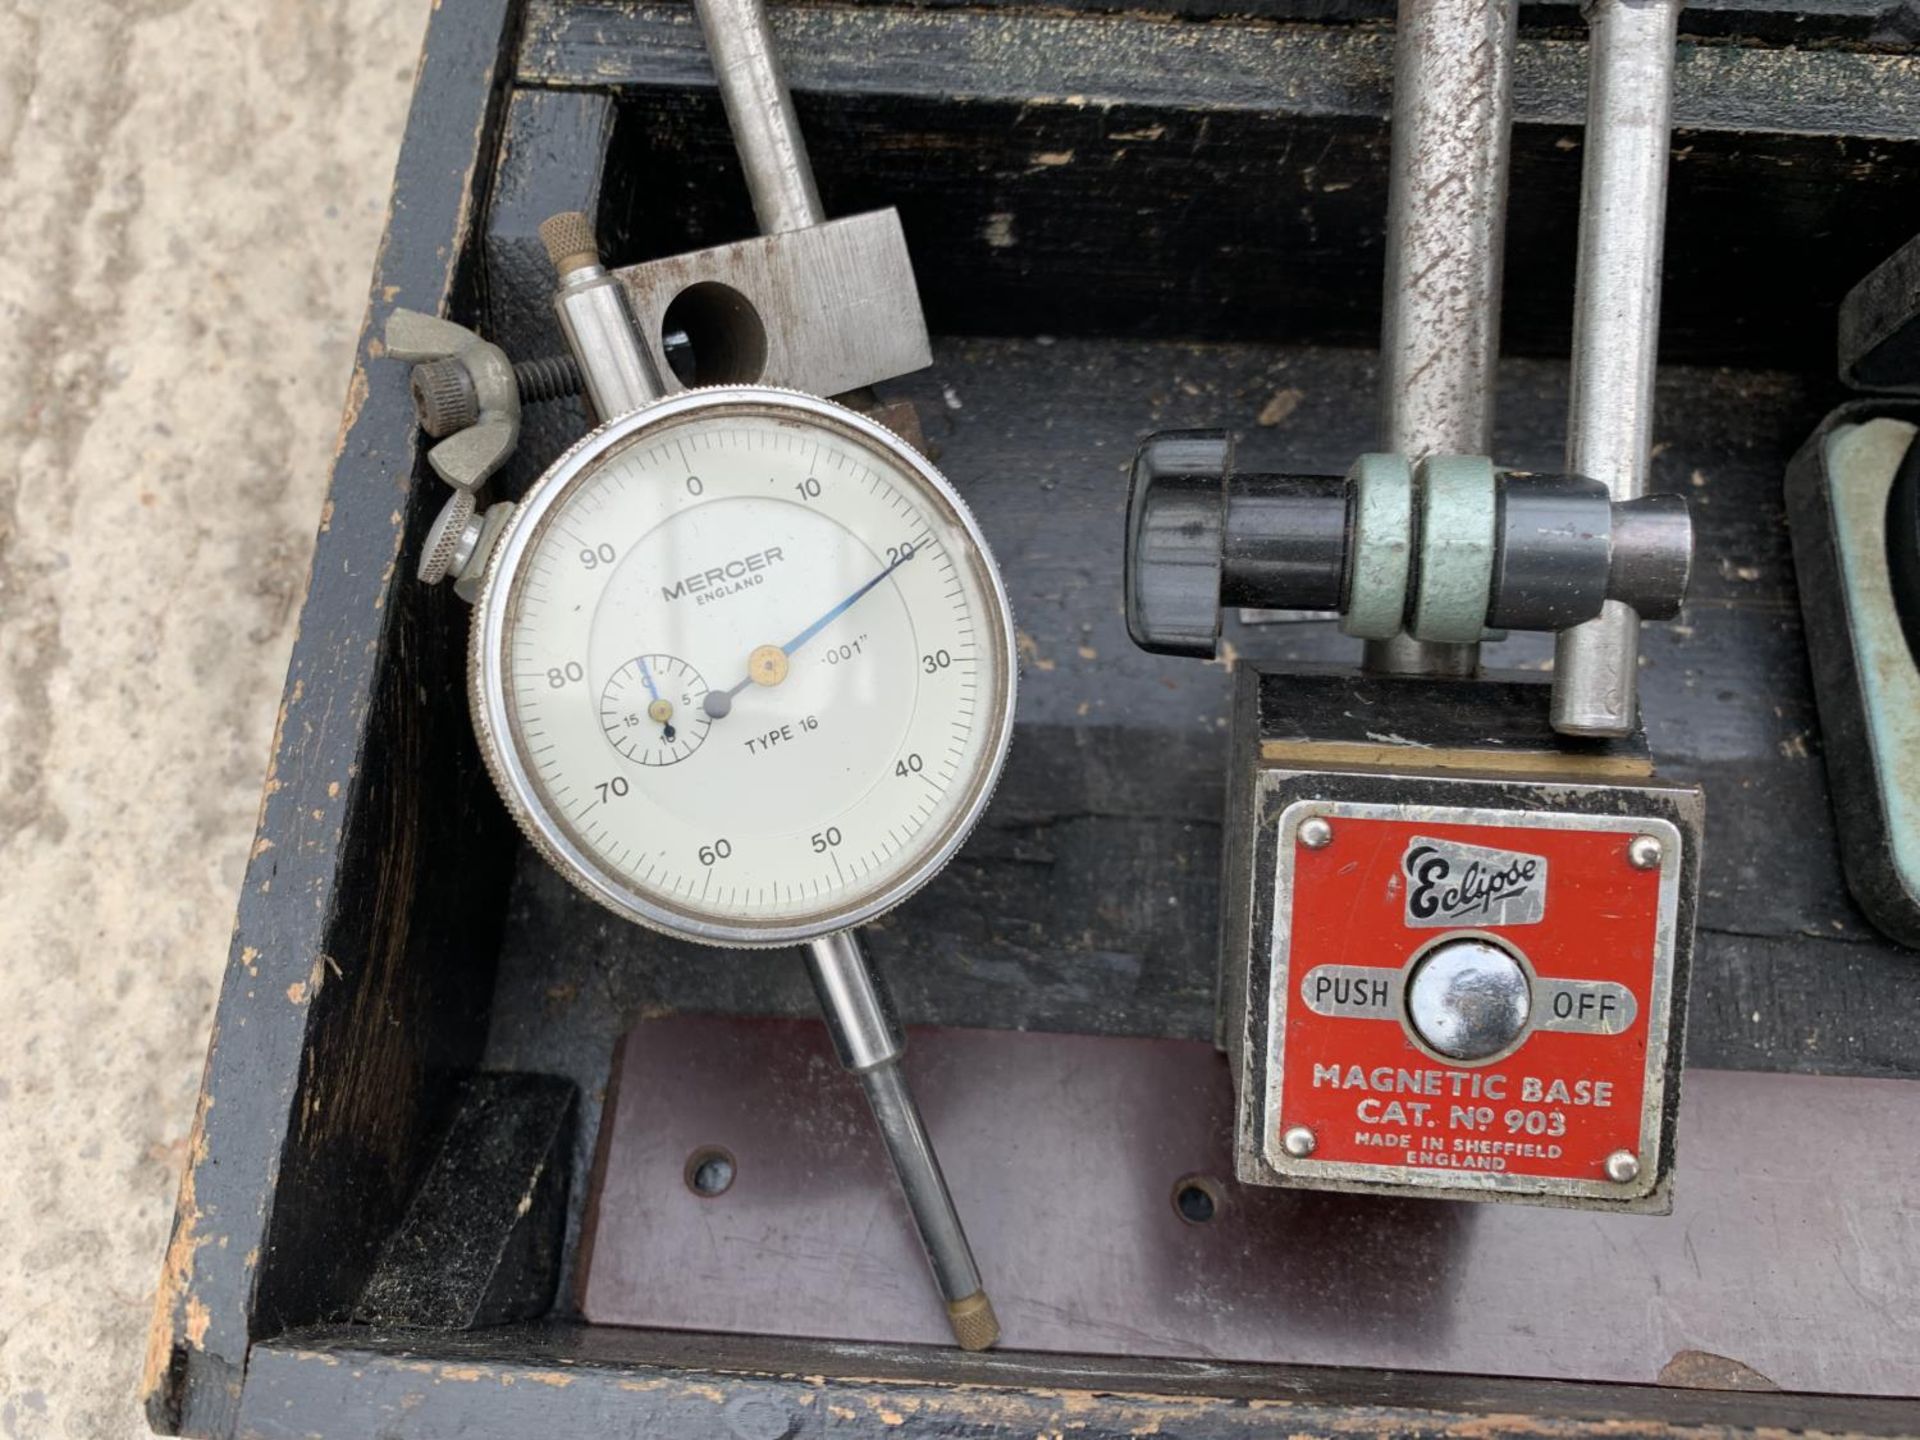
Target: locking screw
point(549, 377)
point(444, 398)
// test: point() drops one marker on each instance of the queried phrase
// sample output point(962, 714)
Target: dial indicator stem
point(870, 1044)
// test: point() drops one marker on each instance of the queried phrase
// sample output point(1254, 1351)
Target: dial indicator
point(779, 627)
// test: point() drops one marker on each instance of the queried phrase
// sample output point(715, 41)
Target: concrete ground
point(191, 194)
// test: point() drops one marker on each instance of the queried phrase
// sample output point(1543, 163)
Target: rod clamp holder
point(1445, 550)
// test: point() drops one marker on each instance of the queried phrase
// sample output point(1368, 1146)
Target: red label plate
point(1558, 1110)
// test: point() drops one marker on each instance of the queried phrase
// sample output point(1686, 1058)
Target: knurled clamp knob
point(444, 399)
point(450, 539)
point(1176, 529)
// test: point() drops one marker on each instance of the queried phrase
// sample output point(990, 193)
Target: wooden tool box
point(1121, 220)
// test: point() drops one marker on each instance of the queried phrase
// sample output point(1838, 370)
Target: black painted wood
point(480, 1244)
point(1882, 23)
point(1219, 181)
point(592, 1381)
point(1225, 181)
point(552, 158)
point(361, 957)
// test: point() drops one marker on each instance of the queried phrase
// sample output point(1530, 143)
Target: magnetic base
point(1095, 1180)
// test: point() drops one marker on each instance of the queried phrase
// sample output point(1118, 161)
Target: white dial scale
point(742, 667)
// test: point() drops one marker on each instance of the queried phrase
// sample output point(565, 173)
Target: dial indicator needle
point(658, 710)
point(719, 702)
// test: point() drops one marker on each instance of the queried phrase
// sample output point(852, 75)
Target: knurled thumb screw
point(444, 399)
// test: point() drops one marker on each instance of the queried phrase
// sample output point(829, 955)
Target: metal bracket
point(827, 309)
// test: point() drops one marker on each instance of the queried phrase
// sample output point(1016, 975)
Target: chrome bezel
point(493, 714)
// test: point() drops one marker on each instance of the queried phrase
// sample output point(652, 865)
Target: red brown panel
point(1791, 1251)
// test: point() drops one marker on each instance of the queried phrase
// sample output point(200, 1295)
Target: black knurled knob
point(1176, 529)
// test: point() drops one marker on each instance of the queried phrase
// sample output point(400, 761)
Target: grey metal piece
point(472, 567)
point(773, 153)
point(828, 309)
point(459, 542)
point(1458, 537)
point(1555, 552)
point(466, 458)
point(591, 305)
point(1469, 999)
point(1616, 325)
point(1623, 1167)
point(869, 1042)
point(825, 306)
point(1436, 896)
point(1446, 231)
point(450, 539)
point(1298, 1141)
point(1643, 852)
point(1369, 992)
point(1316, 833)
point(1381, 564)
point(1176, 526)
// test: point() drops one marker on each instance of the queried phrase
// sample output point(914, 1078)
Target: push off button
point(1468, 999)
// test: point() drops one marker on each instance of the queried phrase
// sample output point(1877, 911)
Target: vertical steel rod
point(1446, 232)
point(760, 113)
point(1616, 324)
point(858, 1012)
point(870, 1044)
point(615, 368)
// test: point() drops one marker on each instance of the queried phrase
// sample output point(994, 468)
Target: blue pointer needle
point(719, 702)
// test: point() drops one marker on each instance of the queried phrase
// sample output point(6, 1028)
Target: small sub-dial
point(651, 710)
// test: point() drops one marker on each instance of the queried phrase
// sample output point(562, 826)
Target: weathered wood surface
point(360, 957)
point(1018, 52)
point(595, 1382)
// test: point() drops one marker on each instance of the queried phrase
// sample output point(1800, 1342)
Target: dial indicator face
point(742, 665)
